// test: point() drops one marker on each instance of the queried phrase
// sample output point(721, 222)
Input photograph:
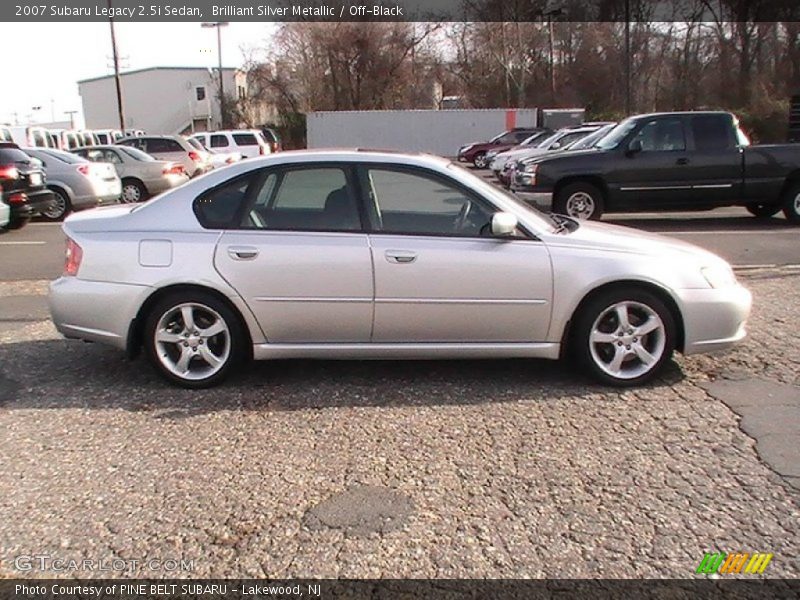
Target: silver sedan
point(362, 255)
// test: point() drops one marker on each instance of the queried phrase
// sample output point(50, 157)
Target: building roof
point(154, 69)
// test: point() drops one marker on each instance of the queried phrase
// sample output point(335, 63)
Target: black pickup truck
point(667, 161)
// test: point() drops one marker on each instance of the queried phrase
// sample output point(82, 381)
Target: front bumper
point(74, 308)
point(714, 319)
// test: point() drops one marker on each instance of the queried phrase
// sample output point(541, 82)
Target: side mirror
point(634, 147)
point(503, 224)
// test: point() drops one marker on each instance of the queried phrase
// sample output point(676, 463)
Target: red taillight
point(261, 149)
point(84, 169)
point(173, 170)
point(8, 172)
point(17, 198)
point(275, 146)
point(194, 155)
point(72, 259)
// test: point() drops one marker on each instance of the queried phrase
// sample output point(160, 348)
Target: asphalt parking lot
point(415, 469)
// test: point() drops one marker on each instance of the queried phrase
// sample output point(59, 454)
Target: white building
point(160, 100)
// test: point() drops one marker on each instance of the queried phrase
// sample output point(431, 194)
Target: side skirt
point(415, 351)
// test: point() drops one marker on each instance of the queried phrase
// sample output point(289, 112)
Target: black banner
point(390, 589)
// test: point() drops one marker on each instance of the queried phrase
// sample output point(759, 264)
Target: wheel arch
point(62, 187)
point(660, 292)
point(792, 179)
point(595, 180)
point(136, 327)
point(134, 179)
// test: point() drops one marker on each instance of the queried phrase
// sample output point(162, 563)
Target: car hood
point(616, 238)
point(519, 152)
point(558, 155)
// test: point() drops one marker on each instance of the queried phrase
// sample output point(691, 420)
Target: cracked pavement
point(498, 469)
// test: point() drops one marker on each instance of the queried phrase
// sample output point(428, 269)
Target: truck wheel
point(480, 160)
point(791, 204)
point(763, 211)
point(579, 200)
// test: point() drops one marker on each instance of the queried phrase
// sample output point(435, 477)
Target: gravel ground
point(372, 469)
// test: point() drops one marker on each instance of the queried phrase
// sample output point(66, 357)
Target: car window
point(245, 139)
point(269, 135)
point(103, 138)
point(194, 143)
point(137, 154)
point(94, 155)
point(154, 145)
point(65, 157)
point(219, 141)
point(662, 135)
point(310, 199)
point(571, 138)
point(507, 138)
point(520, 136)
point(217, 208)
point(14, 155)
point(112, 157)
point(711, 132)
point(419, 203)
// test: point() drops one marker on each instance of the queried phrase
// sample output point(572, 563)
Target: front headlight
point(719, 276)
point(531, 169)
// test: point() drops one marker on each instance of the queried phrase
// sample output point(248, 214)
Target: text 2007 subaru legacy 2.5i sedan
point(353, 254)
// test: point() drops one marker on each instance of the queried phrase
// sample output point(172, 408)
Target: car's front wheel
point(194, 339)
point(791, 204)
point(480, 160)
point(579, 200)
point(763, 211)
point(624, 337)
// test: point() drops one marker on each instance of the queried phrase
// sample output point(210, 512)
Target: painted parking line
point(23, 243)
point(723, 231)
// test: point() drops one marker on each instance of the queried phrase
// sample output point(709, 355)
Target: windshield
point(616, 135)
point(549, 141)
point(136, 154)
point(590, 141)
point(535, 139)
point(196, 144)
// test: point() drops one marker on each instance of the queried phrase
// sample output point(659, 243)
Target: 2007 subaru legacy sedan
point(380, 255)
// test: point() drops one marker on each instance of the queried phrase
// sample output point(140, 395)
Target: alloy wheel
point(57, 208)
point(627, 340)
point(580, 205)
point(131, 193)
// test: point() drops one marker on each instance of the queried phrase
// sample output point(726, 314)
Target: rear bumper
point(164, 183)
point(714, 319)
point(74, 309)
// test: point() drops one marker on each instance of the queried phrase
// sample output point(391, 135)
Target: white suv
point(249, 142)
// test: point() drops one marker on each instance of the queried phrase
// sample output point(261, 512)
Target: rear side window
point(245, 139)
point(219, 141)
point(711, 132)
point(269, 135)
point(162, 145)
point(217, 208)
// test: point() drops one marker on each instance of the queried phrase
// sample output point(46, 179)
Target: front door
point(439, 275)
point(297, 253)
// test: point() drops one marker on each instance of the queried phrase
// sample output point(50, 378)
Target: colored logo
point(741, 562)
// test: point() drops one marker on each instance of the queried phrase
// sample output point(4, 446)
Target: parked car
point(5, 211)
point(476, 151)
point(360, 254)
point(76, 183)
point(219, 158)
point(173, 148)
point(108, 136)
point(250, 142)
point(142, 175)
point(669, 161)
point(24, 185)
point(272, 138)
point(502, 164)
point(529, 142)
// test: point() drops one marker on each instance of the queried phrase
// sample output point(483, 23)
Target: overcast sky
point(43, 61)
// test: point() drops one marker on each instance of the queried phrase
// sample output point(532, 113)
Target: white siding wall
point(156, 100)
point(439, 132)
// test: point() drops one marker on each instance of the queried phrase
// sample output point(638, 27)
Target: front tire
point(791, 204)
point(763, 211)
point(624, 337)
point(480, 160)
point(60, 207)
point(580, 200)
point(194, 339)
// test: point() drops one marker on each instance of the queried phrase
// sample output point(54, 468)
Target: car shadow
point(701, 223)
point(72, 374)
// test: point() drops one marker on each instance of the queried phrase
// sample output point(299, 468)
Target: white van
point(249, 142)
point(29, 135)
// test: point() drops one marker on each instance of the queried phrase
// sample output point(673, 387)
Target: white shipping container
point(439, 132)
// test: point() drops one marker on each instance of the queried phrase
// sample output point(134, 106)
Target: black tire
point(479, 160)
point(136, 191)
point(61, 206)
point(573, 196)
point(18, 222)
point(601, 305)
point(236, 353)
point(763, 211)
point(791, 203)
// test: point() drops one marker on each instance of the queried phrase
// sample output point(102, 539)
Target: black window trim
point(688, 142)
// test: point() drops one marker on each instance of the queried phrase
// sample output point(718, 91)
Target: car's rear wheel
point(791, 204)
point(59, 208)
point(194, 339)
point(624, 337)
point(480, 160)
point(132, 191)
point(763, 211)
point(579, 200)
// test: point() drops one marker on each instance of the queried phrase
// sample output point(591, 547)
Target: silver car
point(76, 183)
point(174, 148)
point(356, 255)
point(142, 175)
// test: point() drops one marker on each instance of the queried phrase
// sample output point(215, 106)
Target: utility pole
point(627, 57)
point(116, 72)
point(222, 108)
point(71, 114)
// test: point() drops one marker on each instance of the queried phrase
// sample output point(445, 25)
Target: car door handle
point(242, 252)
point(400, 256)
point(682, 161)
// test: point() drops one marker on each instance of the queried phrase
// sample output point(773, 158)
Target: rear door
point(296, 252)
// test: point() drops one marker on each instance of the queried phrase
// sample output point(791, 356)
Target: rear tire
point(193, 339)
point(132, 191)
point(60, 208)
point(791, 203)
point(623, 337)
point(580, 200)
point(763, 211)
